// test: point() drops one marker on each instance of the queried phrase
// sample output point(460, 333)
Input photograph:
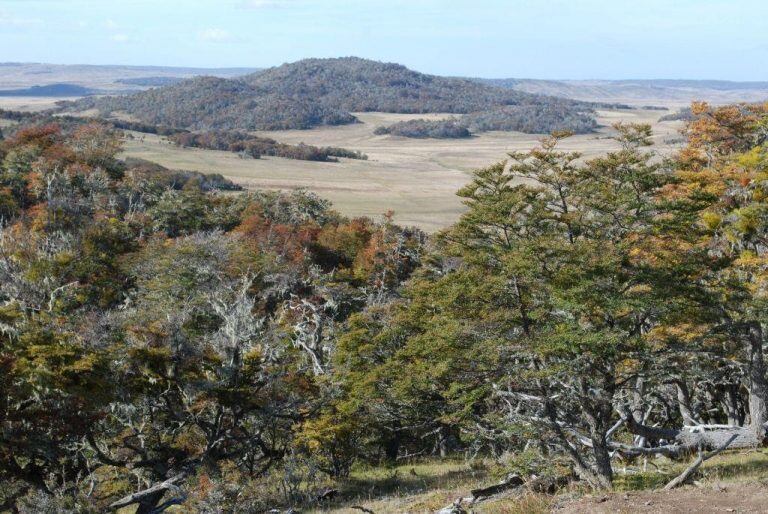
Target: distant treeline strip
point(38, 118)
point(532, 119)
point(232, 141)
point(255, 146)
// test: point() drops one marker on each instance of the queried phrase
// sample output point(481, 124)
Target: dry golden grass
point(29, 103)
point(425, 487)
point(429, 485)
point(417, 178)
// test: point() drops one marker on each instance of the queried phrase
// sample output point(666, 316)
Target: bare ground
point(715, 498)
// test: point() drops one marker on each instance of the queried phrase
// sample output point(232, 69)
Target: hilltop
point(314, 92)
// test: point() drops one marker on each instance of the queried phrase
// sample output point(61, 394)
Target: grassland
point(733, 480)
point(417, 179)
point(29, 103)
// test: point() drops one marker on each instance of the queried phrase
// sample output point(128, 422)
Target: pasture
point(417, 178)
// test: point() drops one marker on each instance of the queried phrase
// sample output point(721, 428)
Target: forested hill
point(355, 84)
point(315, 92)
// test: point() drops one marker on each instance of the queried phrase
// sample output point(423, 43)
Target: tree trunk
point(730, 402)
point(677, 442)
point(148, 503)
point(598, 410)
point(684, 403)
point(603, 468)
point(758, 388)
point(448, 440)
point(392, 447)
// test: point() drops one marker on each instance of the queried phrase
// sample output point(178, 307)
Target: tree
point(719, 202)
point(533, 312)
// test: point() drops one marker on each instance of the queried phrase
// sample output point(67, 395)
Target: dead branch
point(685, 475)
point(513, 483)
point(137, 497)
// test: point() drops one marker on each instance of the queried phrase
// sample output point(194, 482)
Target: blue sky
point(577, 39)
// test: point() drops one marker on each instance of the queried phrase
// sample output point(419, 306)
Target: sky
point(547, 39)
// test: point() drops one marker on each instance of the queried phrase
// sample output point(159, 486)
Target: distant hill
point(313, 92)
point(150, 81)
point(102, 77)
point(640, 92)
point(54, 90)
point(355, 84)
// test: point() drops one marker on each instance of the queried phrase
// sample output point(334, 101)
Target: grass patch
point(416, 477)
point(729, 466)
point(737, 465)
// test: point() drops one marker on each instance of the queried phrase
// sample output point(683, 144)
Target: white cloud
point(120, 38)
point(110, 24)
point(215, 34)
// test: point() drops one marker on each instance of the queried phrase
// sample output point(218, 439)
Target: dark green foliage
point(438, 129)
point(255, 147)
point(683, 114)
point(542, 118)
point(209, 103)
point(165, 178)
point(309, 93)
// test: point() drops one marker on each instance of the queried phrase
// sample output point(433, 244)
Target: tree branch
point(137, 497)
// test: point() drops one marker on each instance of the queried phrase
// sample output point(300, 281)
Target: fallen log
point(689, 439)
point(688, 473)
point(508, 483)
point(547, 485)
point(327, 494)
point(140, 496)
point(514, 484)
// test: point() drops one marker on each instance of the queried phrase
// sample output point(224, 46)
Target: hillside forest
point(164, 343)
point(317, 92)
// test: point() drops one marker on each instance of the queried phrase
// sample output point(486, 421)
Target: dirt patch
point(719, 497)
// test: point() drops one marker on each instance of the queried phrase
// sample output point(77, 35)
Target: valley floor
point(417, 178)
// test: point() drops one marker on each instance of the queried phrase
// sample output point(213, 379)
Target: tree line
point(227, 352)
point(256, 146)
point(532, 119)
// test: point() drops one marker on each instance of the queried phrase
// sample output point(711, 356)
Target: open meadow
point(417, 178)
point(29, 103)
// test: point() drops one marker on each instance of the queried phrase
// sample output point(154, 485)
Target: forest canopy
point(315, 92)
point(168, 346)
